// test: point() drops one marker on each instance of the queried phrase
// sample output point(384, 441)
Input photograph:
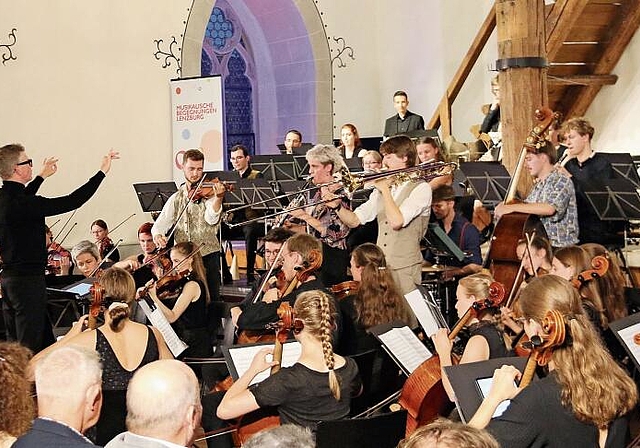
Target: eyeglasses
point(26, 162)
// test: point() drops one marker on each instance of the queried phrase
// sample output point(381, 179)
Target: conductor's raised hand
point(49, 167)
point(105, 166)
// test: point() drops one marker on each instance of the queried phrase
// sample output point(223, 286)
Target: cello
point(501, 256)
point(423, 395)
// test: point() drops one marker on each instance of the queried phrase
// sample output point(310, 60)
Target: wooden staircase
point(584, 40)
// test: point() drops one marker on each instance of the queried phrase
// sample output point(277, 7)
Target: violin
point(170, 285)
point(209, 189)
point(97, 305)
point(423, 395)
point(159, 262)
point(55, 253)
point(104, 246)
point(344, 289)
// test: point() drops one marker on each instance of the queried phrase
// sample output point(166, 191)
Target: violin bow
point(54, 224)
point(105, 258)
point(65, 224)
point(67, 234)
point(175, 268)
point(266, 277)
point(122, 222)
point(190, 196)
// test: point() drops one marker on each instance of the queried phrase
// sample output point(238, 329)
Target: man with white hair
point(69, 388)
point(163, 407)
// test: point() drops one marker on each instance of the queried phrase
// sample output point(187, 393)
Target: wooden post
point(523, 86)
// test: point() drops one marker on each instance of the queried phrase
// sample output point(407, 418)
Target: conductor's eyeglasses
point(26, 162)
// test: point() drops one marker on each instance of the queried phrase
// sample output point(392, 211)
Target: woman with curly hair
point(16, 404)
point(318, 387)
point(486, 339)
point(377, 301)
point(585, 398)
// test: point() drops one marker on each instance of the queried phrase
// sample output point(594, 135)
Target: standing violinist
point(240, 160)
point(586, 397)
point(100, 232)
point(273, 241)
point(199, 222)
point(301, 260)
point(22, 238)
point(552, 197)
point(186, 307)
point(324, 161)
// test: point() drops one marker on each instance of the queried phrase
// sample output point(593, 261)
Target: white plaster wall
point(616, 109)
point(86, 81)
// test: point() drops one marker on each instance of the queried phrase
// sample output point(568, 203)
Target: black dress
point(115, 380)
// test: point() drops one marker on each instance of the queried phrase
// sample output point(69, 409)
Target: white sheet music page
point(405, 347)
point(157, 319)
point(423, 313)
point(243, 355)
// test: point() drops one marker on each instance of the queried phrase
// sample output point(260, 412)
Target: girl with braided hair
point(585, 398)
point(317, 388)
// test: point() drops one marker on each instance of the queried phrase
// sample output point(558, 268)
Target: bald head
point(163, 401)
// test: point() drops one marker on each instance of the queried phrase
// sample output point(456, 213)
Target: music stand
point(489, 181)
point(623, 166)
point(617, 201)
point(354, 164)
point(153, 195)
point(258, 193)
point(275, 168)
point(438, 239)
point(302, 166)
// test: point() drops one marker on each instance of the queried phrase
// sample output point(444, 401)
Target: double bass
point(501, 258)
point(423, 395)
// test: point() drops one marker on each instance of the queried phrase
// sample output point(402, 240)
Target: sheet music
point(631, 338)
point(242, 355)
point(423, 312)
point(158, 320)
point(405, 347)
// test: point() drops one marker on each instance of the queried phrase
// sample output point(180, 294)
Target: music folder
point(468, 382)
point(627, 330)
point(401, 343)
point(239, 358)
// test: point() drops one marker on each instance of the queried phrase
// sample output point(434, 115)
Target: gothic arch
point(292, 63)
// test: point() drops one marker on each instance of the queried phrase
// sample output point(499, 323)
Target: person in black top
point(585, 398)
point(318, 387)
point(487, 337)
point(404, 121)
point(240, 160)
point(588, 170)
point(22, 239)
point(100, 231)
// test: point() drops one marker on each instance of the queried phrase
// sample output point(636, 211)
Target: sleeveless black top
point(494, 338)
point(114, 376)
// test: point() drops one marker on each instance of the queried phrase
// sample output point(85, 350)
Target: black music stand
point(623, 166)
point(489, 181)
point(440, 244)
point(354, 164)
point(302, 166)
point(275, 168)
point(617, 201)
point(154, 195)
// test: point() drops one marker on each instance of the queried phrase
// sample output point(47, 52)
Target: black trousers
point(24, 307)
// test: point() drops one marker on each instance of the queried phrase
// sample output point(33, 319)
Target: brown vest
point(192, 226)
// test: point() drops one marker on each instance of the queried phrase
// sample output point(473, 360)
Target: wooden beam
point(583, 80)
point(620, 36)
point(463, 71)
point(520, 26)
point(560, 22)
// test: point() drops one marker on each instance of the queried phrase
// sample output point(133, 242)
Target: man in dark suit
point(69, 387)
point(404, 121)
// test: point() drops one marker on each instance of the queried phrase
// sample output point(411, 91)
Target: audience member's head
point(69, 386)
point(285, 436)
point(163, 402)
point(16, 405)
point(447, 434)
